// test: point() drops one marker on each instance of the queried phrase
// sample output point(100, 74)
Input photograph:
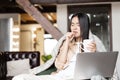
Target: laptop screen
point(98, 63)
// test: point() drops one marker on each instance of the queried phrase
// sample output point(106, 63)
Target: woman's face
point(75, 26)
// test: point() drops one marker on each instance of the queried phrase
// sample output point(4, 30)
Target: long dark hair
point(84, 24)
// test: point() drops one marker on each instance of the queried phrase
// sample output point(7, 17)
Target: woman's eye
point(72, 25)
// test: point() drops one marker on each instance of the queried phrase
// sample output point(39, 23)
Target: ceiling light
point(49, 17)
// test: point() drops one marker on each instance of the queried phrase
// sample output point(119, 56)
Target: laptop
point(98, 63)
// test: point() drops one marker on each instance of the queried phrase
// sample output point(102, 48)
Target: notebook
point(98, 63)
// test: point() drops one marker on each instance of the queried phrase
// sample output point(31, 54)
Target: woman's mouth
point(74, 32)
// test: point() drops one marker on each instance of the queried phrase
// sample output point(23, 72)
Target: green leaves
point(46, 57)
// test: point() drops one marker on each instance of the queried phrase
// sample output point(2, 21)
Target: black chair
point(33, 56)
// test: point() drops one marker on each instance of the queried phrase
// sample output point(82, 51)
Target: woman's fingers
point(70, 36)
point(92, 47)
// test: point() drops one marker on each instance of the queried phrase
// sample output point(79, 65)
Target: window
point(100, 17)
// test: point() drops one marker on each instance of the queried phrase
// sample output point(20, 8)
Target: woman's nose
point(75, 27)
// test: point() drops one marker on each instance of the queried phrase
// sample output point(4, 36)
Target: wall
point(32, 38)
point(5, 34)
point(14, 44)
point(116, 30)
point(62, 18)
point(15, 16)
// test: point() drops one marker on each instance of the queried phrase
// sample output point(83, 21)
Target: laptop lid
point(98, 63)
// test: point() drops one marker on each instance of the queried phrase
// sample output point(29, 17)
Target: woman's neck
point(78, 39)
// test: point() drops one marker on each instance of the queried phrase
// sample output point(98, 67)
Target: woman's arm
point(63, 53)
point(62, 56)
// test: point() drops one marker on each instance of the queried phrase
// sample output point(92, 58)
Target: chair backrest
point(34, 57)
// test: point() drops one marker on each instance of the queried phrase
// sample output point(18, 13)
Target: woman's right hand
point(69, 36)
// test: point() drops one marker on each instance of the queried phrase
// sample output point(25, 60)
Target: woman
point(64, 54)
point(66, 58)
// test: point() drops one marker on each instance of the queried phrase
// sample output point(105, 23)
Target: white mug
point(86, 42)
